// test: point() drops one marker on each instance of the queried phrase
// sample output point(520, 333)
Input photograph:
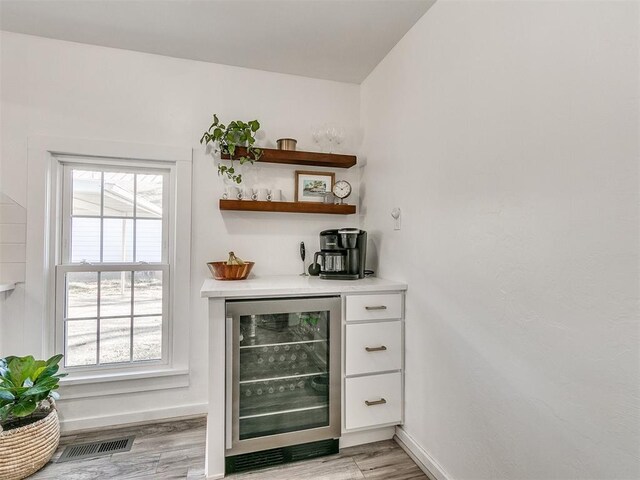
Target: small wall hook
point(395, 213)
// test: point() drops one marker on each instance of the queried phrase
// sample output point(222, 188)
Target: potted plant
point(226, 140)
point(29, 424)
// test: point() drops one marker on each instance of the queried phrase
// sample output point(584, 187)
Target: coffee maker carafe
point(342, 254)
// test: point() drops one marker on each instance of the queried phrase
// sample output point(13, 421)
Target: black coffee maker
point(342, 254)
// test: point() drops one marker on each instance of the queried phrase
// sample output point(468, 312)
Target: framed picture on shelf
point(313, 186)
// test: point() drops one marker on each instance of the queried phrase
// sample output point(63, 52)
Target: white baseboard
point(367, 436)
point(100, 421)
point(426, 462)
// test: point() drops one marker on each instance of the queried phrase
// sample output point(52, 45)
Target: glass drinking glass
point(317, 134)
point(340, 135)
point(331, 134)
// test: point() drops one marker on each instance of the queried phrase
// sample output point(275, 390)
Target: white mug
point(247, 194)
point(232, 193)
point(275, 195)
point(261, 194)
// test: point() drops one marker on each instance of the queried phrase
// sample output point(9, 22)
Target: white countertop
point(293, 285)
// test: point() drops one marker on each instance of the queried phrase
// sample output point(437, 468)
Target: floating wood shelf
point(291, 207)
point(295, 157)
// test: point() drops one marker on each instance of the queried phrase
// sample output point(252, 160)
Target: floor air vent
point(279, 456)
point(96, 449)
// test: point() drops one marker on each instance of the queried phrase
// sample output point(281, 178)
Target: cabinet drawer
point(373, 347)
point(374, 307)
point(373, 400)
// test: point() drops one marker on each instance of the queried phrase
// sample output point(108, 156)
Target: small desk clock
point(342, 189)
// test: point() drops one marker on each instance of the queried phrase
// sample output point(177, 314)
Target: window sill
point(95, 385)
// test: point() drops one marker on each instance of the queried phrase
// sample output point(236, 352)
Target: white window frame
point(68, 164)
point(46, 156)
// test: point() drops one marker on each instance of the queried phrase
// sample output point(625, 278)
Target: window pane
point(81, 342)
point(118, 194)
point(115, 294)
point(147, 293)
point(149, 196)
point(117, 240)
point(86, 193)
point(82, 295)
point(147, 338)
point(115, 217)
point(85, 239)
point(148, 240)
point(115, 340)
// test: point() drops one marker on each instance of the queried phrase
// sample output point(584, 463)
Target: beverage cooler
point(283, 380)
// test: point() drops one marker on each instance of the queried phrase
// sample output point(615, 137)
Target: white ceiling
point(331, 39)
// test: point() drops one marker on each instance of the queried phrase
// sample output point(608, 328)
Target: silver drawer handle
point(368, 403)
point(377, 307)
point(376, 349)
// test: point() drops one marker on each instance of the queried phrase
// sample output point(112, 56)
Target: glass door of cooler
point(283, 377)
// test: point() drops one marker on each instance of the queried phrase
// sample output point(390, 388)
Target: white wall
point(12, 267)
point(12, 240)
point(507, 132)
point(71, 90)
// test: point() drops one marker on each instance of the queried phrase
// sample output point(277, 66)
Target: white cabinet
point(373, 400)
point(373, 389)
point(380, 377)
point(373, 347)
point(374, 307)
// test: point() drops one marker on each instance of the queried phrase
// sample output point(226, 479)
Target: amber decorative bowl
point(222, 271)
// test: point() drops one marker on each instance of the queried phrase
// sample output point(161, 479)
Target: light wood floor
point(175, 450)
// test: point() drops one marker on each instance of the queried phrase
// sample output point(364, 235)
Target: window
point(158, 356)
point(112, 282)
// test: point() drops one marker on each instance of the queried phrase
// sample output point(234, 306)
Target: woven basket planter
point(25, 450)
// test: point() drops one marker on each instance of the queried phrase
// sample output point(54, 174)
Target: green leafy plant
point(310, 319)
point(227, 138)
point(24, 383)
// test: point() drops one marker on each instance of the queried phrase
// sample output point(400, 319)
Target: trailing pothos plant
point(227, 138)
point(24, 384)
